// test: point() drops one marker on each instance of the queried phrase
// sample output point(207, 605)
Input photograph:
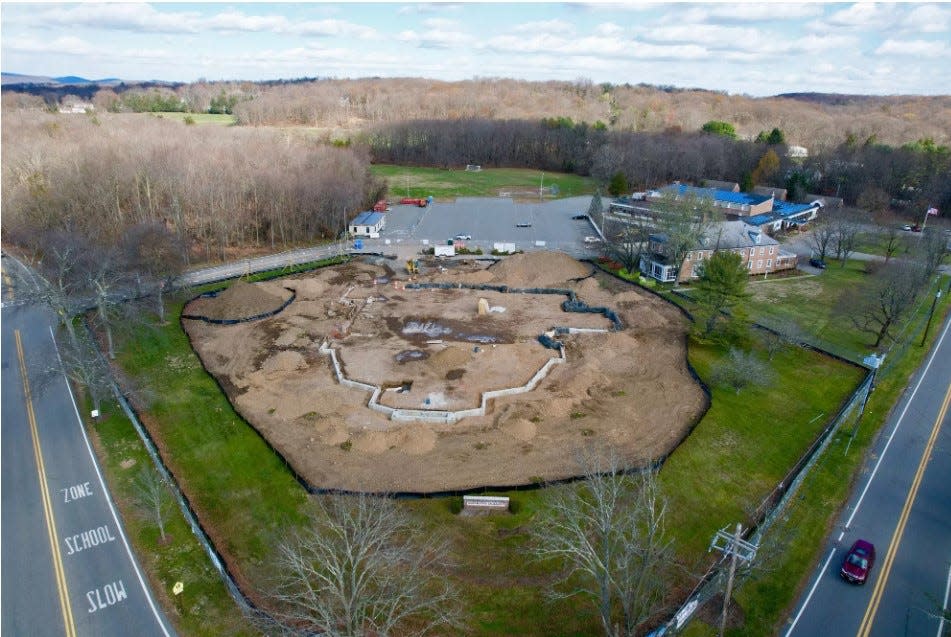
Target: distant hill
point(837, 99)
point(7, 78)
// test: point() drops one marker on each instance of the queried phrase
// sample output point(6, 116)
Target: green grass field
point(446, 184)
point(197, 118)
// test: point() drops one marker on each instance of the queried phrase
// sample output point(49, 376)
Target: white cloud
point(917, 48)
point(609, 30)
point(333, 28)
point(864, 16)
point(928, 18)
point(593, 47)
point(118, 17)
point(68, 45)
point(552, 27)
point(747, 12)
point(143, 18)
point(441, 23)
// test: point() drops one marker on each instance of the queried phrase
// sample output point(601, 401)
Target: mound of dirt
point(242, 300)
point(285, 361)
point(538, 269)
point(449, 358)
point(520, 429)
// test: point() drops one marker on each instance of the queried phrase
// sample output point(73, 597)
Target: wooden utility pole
point(737, 548)
point(729, 579)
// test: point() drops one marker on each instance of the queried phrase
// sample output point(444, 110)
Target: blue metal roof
point(742, 198)
point(368, 218)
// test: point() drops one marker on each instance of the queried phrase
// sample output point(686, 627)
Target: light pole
point(930, 316)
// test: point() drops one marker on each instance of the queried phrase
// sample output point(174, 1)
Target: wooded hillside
point(815, 121)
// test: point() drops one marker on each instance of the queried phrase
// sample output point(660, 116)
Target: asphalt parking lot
point(492, 220)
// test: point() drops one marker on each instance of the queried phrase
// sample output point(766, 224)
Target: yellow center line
point(64, 604)
point(868, 620)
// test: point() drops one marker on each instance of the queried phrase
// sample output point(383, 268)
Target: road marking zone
point(867, 621)
point(60, 574)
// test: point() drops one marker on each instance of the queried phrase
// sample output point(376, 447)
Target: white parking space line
point(811, 591)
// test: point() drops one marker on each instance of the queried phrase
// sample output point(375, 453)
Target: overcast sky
point(755, 48)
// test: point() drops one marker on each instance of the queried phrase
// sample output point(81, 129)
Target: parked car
point(590, 239)
point(906, 227)
point(523, 225)
point(916, 228)
point(463, 237)
point(817, 263)
point(858, 562)
point(579, 217)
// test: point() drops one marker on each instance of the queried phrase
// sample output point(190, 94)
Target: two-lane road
point(902, 504)
point(67, 568)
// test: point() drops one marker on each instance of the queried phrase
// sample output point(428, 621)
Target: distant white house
point(367, 224)
point(77, 107)
point(797, 152)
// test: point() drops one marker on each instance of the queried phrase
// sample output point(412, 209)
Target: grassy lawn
point(407, 181)
point(205, 606)
point(812, 303)
point(198, 118)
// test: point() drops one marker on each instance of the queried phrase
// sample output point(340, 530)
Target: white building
point(367, 224)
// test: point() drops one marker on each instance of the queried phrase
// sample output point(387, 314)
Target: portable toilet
point(358, 244)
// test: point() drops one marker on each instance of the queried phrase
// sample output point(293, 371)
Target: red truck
point(381, 206)
point(422, 203)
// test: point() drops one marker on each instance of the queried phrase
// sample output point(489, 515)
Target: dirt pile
point(538, 269)
point(450, 358)
point(241, 300)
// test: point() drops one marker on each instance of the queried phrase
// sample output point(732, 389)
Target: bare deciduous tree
point(84, 366)
point(931, 250)
point(151, 491)
point(887, 301)
point(821, 238)
point(740, 370)
point(608, 535)
point(782, 334)
point(362, 568)
point(626, 241)
point(845, 228)
point(684, 222)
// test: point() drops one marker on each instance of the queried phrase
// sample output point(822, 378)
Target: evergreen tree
point(719, 294)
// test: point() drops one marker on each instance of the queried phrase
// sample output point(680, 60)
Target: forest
point(296, 163)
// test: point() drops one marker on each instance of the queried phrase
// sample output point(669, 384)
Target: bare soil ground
point(629, 389)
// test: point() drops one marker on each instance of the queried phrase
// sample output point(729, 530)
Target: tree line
point(913, 176)
point(214, 189)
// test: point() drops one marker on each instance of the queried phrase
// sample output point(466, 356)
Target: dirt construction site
point(370, 381)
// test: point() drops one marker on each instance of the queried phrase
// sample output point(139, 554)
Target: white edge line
point(901, 417)
point(105, 492)
point(811, 591)
point(944, 604)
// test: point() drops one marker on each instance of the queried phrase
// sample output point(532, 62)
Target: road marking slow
point(868, 620)
point(65, 606)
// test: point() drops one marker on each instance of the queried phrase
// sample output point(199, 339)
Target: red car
point(858, 562)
